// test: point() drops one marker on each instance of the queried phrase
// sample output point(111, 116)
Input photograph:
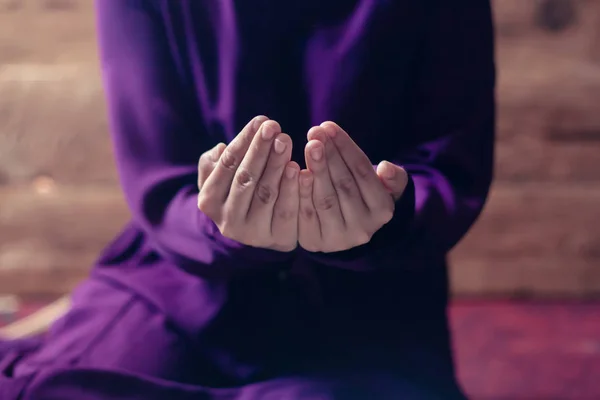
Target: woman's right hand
point(249, 188)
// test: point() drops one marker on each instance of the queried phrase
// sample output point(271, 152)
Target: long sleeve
point(96, 384)
point(158, 136)
point(451, 165)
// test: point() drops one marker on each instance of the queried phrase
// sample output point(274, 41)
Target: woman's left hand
point(343, 200)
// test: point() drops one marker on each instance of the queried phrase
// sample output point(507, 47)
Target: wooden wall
point(59, 199)
point(539, 235)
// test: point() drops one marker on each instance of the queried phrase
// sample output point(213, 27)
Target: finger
point(267, 188)
point(351, 201)
point(360, 166)
point(284, 226)
point(250, 170)
point(393, 177)
point(325, 198)
point(207, 163)
point(217, 185)
point(309, 230)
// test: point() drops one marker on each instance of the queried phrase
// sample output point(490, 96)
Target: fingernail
point(306, 181)
point(317, 153)
point(290, 172)
point(267, 131)
point(279, 146)
point(390, 171)
point(258, 121)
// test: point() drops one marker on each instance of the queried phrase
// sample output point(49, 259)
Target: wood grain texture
point(48, 242)
point(538, 236)
point(548, 91)
point(52, 111)
point(533, 239)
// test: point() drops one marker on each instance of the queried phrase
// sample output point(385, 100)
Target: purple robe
point(174, 310)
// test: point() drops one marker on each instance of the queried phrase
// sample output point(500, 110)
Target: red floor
point(528, 350)
point(525, 351)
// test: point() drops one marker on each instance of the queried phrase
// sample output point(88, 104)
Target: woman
point(328, 282)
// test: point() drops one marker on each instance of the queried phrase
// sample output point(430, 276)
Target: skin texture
point(250, 188)
point(343, 200)
point(257, 196)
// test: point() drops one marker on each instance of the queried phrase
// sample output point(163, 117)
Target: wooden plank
point(549, 84)
point(536, 239)
point(536, 220)
point(48, 242)
point(548, 89)
point(525, 277)
point(531, 239)
point(52, 108)
point(52, 111)
point(53, 123)
point(48, 32)
point(50, 95)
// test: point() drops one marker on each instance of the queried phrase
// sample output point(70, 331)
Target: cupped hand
point(249, 188)
point(343, 200)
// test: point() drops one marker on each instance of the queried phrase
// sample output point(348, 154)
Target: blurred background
point(524, 278)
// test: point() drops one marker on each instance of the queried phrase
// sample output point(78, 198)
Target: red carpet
point(523, 351)
point(528, 350)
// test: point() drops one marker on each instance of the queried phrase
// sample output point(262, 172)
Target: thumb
point(208, 161)
point(393, 177)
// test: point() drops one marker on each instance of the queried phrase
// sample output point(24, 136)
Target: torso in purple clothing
point(410, 81)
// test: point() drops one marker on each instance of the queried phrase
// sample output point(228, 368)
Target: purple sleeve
point(158, 137)
point(90, 384)
point(451, 164)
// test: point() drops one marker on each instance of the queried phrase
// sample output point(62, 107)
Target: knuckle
point(326, 202)
point(229, 160)
point(345, 185)
point(363, 168)
point(307, 213)
point(244, 178)
point(265, 193)
point(285, 214)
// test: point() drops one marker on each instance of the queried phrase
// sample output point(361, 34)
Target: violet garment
point(173, 310)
